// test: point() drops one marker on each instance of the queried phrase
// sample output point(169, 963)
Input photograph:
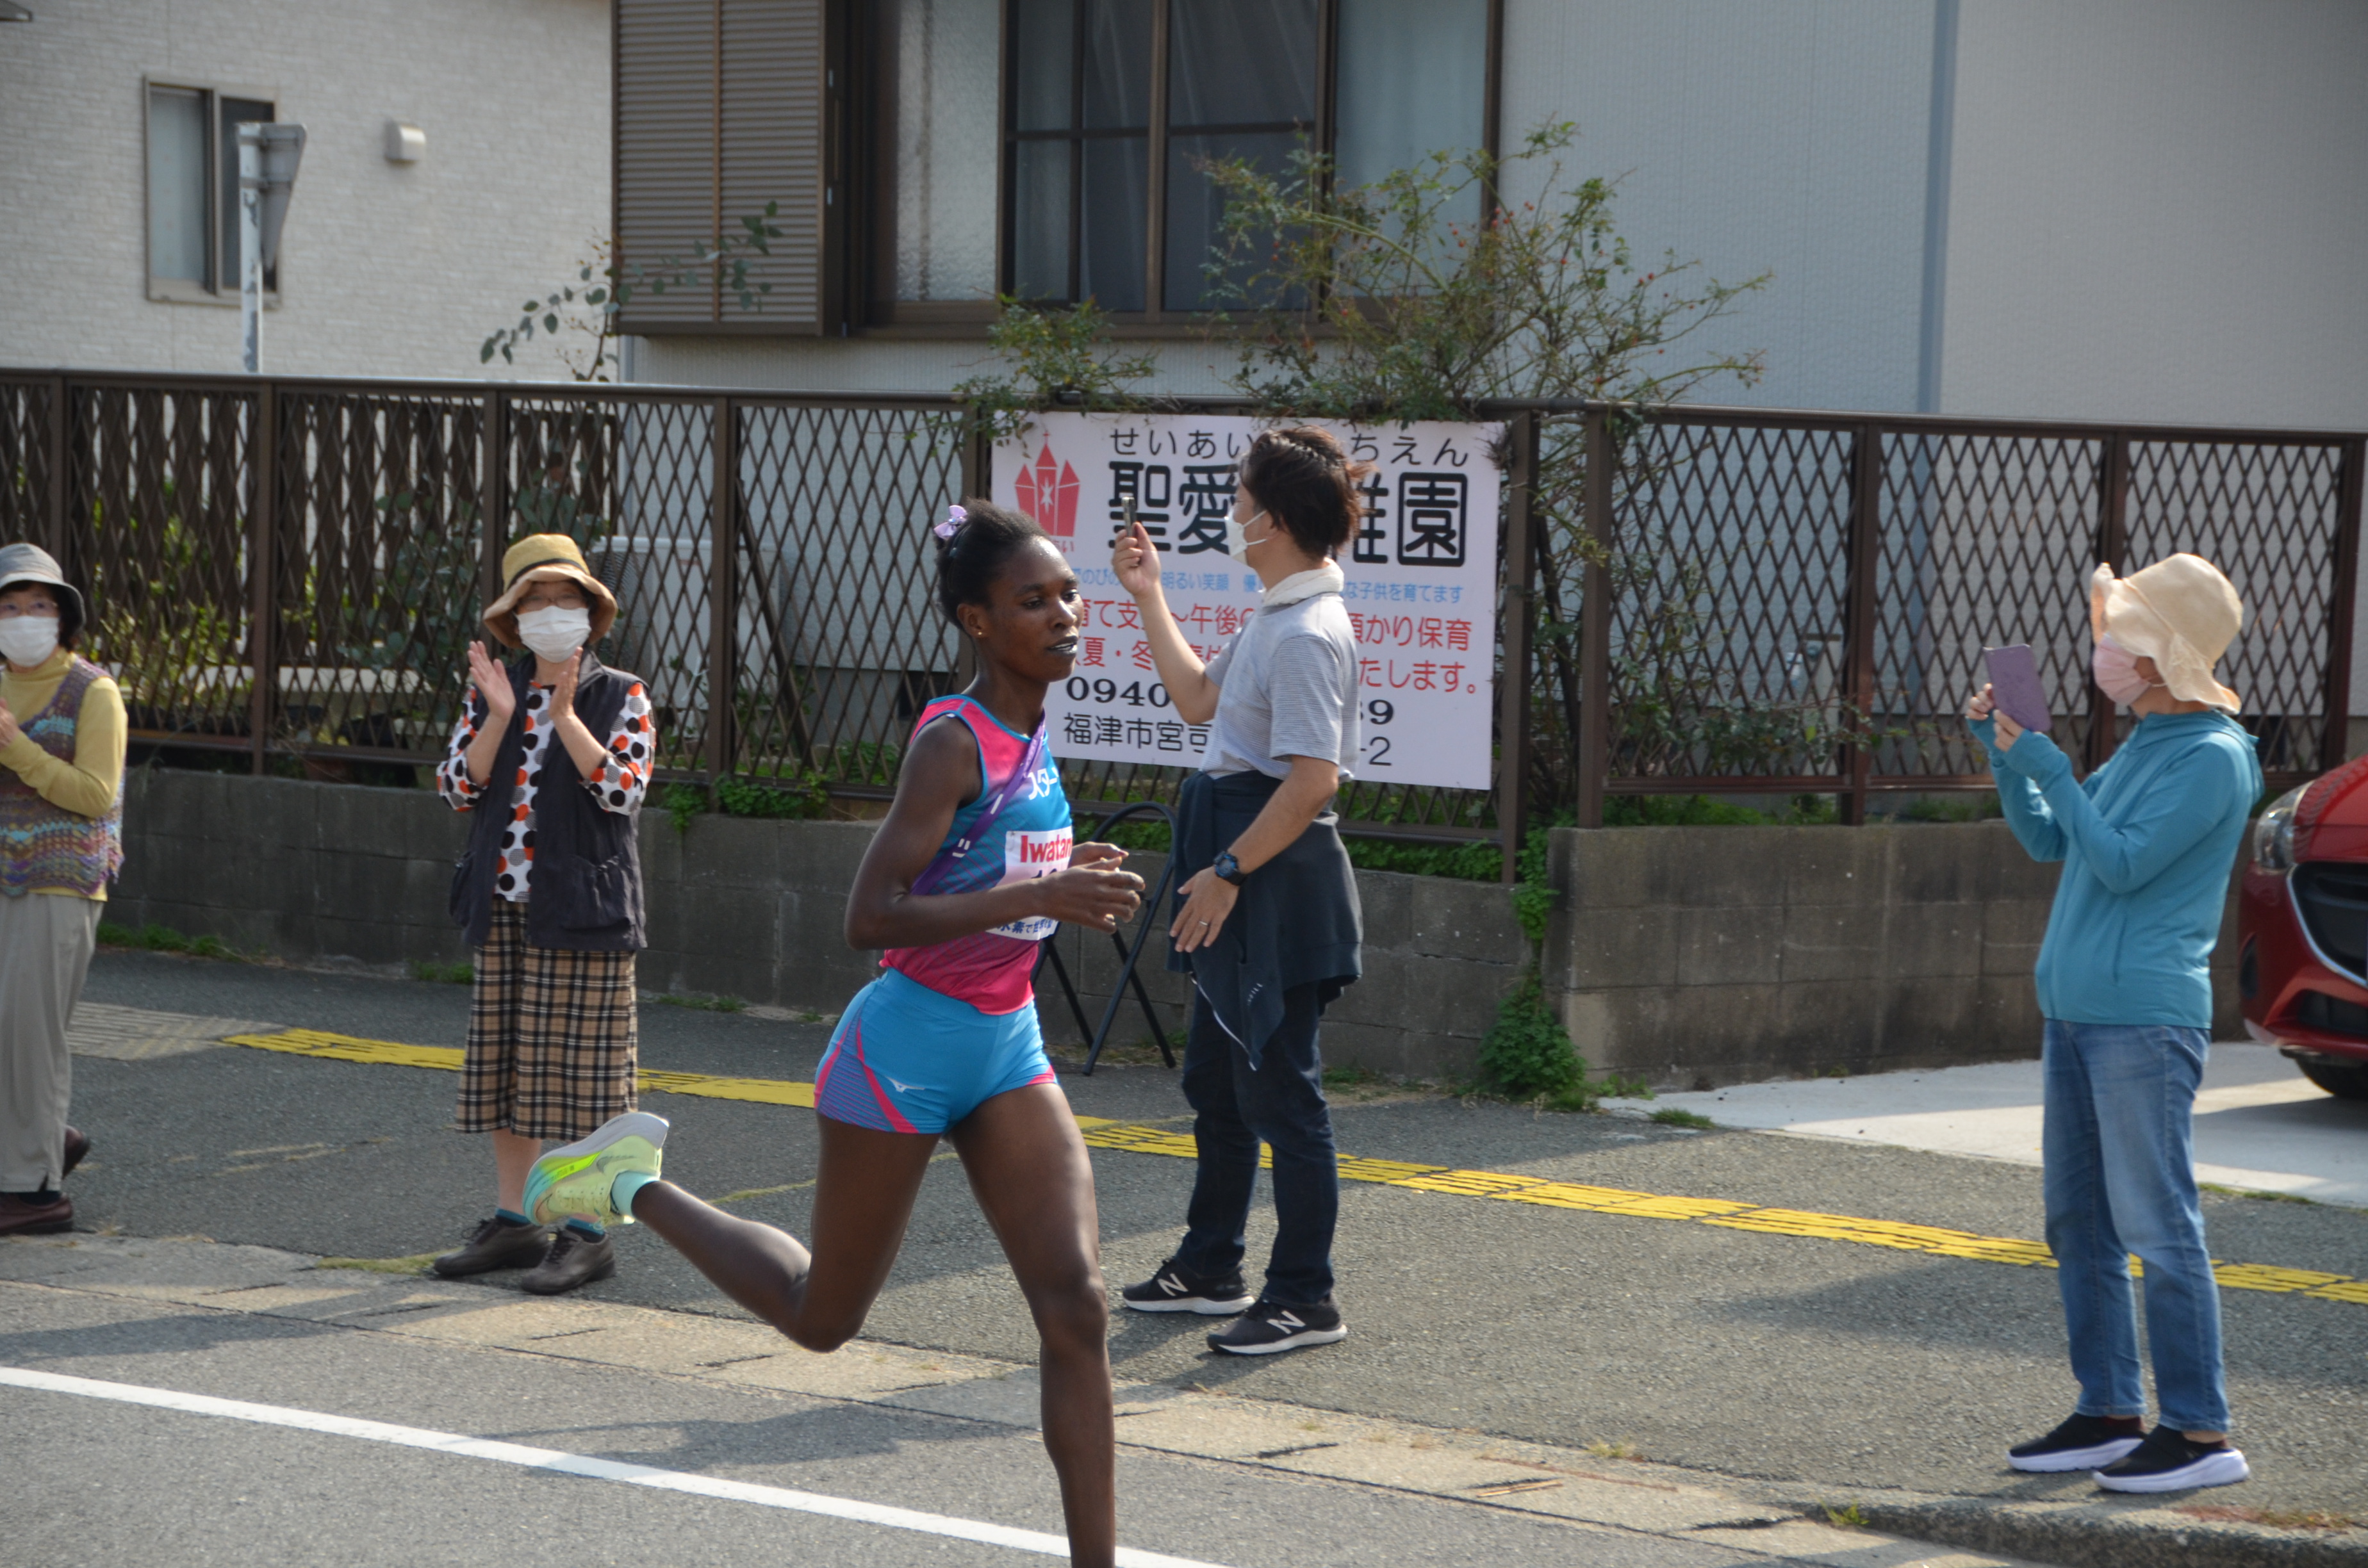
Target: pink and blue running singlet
point(951, 1026)
point(1027, 837)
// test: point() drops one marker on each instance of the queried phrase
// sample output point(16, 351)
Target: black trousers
point(1280, 1103)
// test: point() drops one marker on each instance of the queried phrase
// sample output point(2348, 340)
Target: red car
point(2302, 930)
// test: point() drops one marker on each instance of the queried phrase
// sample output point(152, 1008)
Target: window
point(937, 110)
point(193, 191)
point(1111, 105)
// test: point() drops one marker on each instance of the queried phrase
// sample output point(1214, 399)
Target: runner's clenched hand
point(1090, 896)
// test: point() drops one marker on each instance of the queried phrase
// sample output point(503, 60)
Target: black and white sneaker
point(2084, 1442)
point(1270, 1327)
point(2167, 1461)
point(1177, 1289)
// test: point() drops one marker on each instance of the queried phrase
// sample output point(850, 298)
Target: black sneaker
point(1270, 1327)
point(2084, 1442)
point(2167, 1461)
point(1177, 1289)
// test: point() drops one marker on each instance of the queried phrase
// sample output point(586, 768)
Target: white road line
point(578, 1464)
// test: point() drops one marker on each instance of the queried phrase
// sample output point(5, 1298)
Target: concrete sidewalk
point(2260, 1124)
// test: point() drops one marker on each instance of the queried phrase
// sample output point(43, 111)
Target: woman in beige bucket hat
point(550, 757)
point(2124, 985)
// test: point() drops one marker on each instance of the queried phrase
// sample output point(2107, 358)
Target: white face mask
point(554, 634)
point(1237, 536)
point(28, 639)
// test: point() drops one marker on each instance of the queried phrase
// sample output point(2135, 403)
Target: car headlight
point(2274, 833)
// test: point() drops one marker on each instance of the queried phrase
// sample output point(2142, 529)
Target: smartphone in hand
point(2015, 690)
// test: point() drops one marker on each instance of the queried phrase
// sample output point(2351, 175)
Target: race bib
point(1026, 856)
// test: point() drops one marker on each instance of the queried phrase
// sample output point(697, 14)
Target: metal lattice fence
point(1696, 599)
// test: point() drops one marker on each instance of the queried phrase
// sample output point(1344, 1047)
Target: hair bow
point(955, 519)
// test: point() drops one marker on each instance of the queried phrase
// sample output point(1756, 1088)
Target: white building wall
point(2157, 212)
point(387, 269)
point(1783, 136)
point(2149, 209)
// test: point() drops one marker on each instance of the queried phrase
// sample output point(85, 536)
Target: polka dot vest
point(617, 784)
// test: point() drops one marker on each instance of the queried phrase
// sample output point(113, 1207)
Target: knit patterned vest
point(42, 846)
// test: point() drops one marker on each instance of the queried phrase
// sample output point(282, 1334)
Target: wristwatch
point(1227, 866)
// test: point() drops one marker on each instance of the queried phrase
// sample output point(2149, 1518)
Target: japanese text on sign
point(1421, 589)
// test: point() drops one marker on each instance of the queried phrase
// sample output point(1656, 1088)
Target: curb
point(2096, 1535)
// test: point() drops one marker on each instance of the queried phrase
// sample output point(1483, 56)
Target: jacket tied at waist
point(1297, 921)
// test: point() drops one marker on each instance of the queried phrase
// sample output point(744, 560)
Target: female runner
point(972, 868)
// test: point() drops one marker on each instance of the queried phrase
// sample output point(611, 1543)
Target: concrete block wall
point(1438, 956)
point(1699, 957)
point(335, 873)
point(1686, 956)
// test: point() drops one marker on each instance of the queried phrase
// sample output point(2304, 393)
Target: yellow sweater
point(88, 785)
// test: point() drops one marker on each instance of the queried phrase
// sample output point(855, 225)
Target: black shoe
point(77, 1145)
point(2084, 1442)
point(498, 1244)
point(2167, 1461)
point(574, 1259)
point(1270, 1327)
point(1177, 1289)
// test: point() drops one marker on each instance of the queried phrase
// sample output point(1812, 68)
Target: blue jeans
point(1279, 1102)
point(2121, 1179)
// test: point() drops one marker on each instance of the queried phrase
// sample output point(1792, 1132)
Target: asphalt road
point(1743, 1354)
point(122, 1483)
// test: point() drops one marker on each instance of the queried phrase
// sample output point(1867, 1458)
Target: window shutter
point(719, 108)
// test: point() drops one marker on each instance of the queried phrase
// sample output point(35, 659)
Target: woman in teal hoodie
point(2125, 983)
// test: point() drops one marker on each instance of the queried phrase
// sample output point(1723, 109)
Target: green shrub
point(156, 938)
point(1709, 811)
point(1526, 1053)
point(797, 802)
point(718, 1003)
point(1972, 808)
point(1466, 862)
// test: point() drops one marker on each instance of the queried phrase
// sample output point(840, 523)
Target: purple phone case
point(2015, 689)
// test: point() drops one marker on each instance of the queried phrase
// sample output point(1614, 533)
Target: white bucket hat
point(2181, 612)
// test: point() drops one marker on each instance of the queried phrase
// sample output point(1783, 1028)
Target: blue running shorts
point(908, 1059)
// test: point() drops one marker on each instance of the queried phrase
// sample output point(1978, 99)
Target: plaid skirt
point(553, 1037)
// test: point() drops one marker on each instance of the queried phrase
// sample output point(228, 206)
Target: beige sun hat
point(546, 558)
point(2181, 612)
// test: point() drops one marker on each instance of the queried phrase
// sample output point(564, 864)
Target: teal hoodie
point(2147, 843)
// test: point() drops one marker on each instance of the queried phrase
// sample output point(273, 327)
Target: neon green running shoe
point(576, 1179)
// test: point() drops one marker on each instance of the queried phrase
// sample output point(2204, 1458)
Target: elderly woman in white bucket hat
point(2125, 986)
point(552, 757)
point(61, 739)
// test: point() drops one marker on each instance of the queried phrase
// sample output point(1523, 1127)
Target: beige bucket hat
point(544, 558)
point(2181, 612)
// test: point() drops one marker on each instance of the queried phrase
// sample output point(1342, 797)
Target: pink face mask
point(2116, 669)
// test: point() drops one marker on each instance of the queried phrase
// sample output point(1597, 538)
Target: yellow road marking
point(1138, 1138)
point(346, 1048)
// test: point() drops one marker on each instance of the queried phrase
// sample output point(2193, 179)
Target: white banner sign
point(1422, 581)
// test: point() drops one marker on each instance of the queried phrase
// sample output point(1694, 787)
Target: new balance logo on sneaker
point(1178, 1290)
point(1270, 1327)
